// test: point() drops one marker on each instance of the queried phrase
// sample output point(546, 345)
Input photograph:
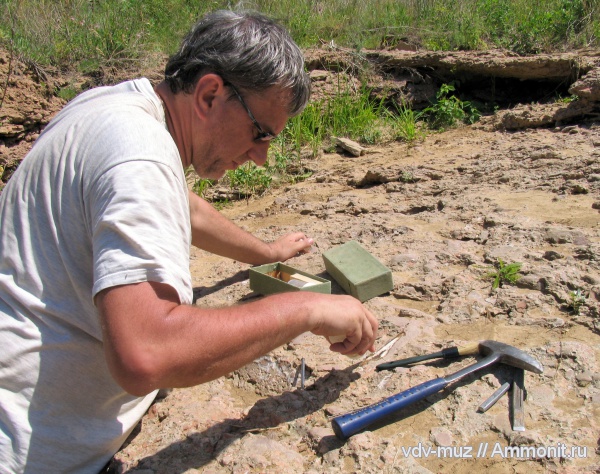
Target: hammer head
point(510, 355)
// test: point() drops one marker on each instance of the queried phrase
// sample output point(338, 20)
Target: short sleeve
point(140, 227)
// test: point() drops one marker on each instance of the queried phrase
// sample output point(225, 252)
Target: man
point(95, 289)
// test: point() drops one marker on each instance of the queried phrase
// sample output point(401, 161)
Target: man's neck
point(175, 106)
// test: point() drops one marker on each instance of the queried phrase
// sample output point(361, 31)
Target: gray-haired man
point(95, 289)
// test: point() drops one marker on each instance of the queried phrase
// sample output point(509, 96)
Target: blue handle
point(345, 426)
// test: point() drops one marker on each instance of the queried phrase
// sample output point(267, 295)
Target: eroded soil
point(439, 214)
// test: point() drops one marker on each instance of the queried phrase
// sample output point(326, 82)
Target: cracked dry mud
point(439, 214)
point(475, 196)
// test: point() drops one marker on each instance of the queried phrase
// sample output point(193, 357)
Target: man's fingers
point(369, 332)
point(291, 245)
point(303, 243)
point(363, 340)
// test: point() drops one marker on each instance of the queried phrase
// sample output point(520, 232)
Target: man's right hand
point(345, 316)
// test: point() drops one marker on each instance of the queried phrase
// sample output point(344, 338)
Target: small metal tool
point(517, 405)
point(491, 401)
point(300, 371)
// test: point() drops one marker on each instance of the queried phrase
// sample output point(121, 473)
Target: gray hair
point(246, 49)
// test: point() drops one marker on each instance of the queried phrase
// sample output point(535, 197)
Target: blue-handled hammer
point(346, 425)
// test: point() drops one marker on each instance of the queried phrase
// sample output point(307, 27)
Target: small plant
point(577, 300)
point(449, 109)
point(354, 114)
point(201, 185)
point(566, 100)
point(249, 179)
point(406, 177)
point(221, 204)
point(67, 93)
point(504, 273)
point(280, 162)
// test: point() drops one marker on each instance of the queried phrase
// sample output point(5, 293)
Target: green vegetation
point(407, 177)
point(504, 273)
point(354, 115)
point(91, 35)
point(67, 93)
point(577, 300)
point(448, 110)
point(200, 185)
point(249, 179)
point(94, 33)
point(406, 124)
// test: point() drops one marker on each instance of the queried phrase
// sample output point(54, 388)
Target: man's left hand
point(290, 245)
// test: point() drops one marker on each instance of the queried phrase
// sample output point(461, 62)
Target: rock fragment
point(350, 146)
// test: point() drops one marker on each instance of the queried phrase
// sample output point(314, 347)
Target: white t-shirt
point(101, 200)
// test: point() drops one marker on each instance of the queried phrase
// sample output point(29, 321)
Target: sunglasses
point(262, 135)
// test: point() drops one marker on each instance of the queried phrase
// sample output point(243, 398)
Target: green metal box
point(276, 278)
point(358, 272)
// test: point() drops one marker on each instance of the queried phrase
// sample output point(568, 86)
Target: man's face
point(235, 137)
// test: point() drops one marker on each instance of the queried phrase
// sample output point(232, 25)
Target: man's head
point(235, 81)
point(248, 50)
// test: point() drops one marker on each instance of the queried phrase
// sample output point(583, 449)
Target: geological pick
point(346, 425)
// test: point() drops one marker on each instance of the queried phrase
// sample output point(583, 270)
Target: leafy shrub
point(449, 109)
point(249, 179)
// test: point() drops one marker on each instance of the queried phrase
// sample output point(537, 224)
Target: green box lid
point(358, 272)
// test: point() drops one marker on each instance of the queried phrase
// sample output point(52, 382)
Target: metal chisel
point(517, 398)
point(494, 397)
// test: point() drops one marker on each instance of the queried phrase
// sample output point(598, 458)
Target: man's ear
point(208, 90)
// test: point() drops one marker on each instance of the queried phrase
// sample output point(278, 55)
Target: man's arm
point(213, 232)
point(151, 341)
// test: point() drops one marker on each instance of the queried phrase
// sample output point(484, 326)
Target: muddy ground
point(522, 185)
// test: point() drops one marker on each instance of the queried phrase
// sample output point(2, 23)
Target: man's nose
point(259, 153)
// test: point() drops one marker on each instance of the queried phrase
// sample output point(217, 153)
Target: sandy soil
point(439, 214)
